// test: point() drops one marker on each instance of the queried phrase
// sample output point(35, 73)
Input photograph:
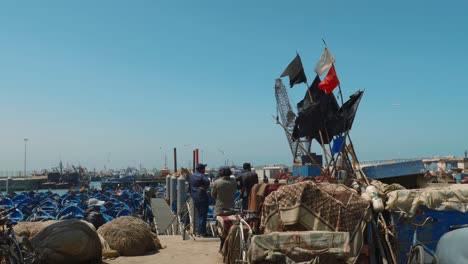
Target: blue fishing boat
point(70, 212)
point(6, 203)
point(124, 212)
point(18, 198)
point(40, 216)
point(107, 217)
point(15, 217)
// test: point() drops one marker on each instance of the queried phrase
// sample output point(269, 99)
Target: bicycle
point(13, 251)
point(240, 233)
point(418, 249)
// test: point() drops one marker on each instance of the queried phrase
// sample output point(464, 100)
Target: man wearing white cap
point(93, 213)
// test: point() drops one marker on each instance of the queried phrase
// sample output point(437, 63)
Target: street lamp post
point(25, 140)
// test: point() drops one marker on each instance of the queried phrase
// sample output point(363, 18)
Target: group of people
point(222, 189)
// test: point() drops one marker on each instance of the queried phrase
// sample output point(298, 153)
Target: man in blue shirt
point(198, 185)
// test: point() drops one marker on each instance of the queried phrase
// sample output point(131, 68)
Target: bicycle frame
point(243, 250)
point(417, 243)
point(11, 248)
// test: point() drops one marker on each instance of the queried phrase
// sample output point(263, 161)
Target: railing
point(13, 173)
point(178, 224)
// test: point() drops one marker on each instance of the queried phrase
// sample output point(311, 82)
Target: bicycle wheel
point(245, 233)
point(416, 255)
point(15, 254)
point(235, 251)
point(27, 250)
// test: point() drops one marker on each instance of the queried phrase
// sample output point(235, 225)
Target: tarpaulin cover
point(317, 207)
point(224, 223)
point(450, 198)
point(258, 194)
point(294, 247)
point(330, 206)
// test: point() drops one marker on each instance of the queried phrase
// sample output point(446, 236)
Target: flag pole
point(320, 133)
point(339, 86)
point(344, 120)
point(331, 152)
point(324, 42)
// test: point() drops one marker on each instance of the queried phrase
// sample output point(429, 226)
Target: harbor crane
point(288, 117)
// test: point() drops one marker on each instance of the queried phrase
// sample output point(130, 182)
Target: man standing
point(223, 190)
point(245, 182)
point(199, 184)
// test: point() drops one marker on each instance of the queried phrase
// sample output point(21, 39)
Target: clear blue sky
point(130, 80)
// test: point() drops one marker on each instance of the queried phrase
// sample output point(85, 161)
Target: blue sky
point(127, 81)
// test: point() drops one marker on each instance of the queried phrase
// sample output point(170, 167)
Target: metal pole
point(175, 160)
point(193, 160)
point(25, 140)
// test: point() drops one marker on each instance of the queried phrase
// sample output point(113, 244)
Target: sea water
point(93, 184)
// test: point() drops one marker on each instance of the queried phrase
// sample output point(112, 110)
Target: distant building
point(270, 171)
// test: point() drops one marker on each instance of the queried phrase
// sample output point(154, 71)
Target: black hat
point(200, 166)
point(222, 168)
point(225, 171)
point(246, 166)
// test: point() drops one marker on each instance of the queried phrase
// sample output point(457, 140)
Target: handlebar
point(237, 210)
point(8, 212)
point(428, 219)
point(454, 227)
point(4, 215)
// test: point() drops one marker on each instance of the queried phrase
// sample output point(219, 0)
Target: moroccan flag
point(325, 62)
point(295, 71)
point(330, 82)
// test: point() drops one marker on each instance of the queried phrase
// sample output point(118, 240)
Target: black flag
point(310, 96)
point(344, 118)
point(295, 71)
point(315, 111)
point(308, 122)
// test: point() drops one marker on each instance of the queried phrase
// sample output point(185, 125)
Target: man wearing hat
point(198, 185)
point(93, 213)
point(245, 182)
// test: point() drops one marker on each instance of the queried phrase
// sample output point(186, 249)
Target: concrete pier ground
point(201, 250)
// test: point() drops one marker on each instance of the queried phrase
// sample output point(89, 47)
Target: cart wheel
point(416, 255)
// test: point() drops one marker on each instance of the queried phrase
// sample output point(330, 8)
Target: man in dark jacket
point(198, 185)
point(245, 182)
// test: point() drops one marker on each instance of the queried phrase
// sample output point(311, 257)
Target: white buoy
point(372, 191)
point(366, 197)
point(377, 204)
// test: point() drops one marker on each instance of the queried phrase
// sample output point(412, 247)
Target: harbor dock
point(177, 250)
